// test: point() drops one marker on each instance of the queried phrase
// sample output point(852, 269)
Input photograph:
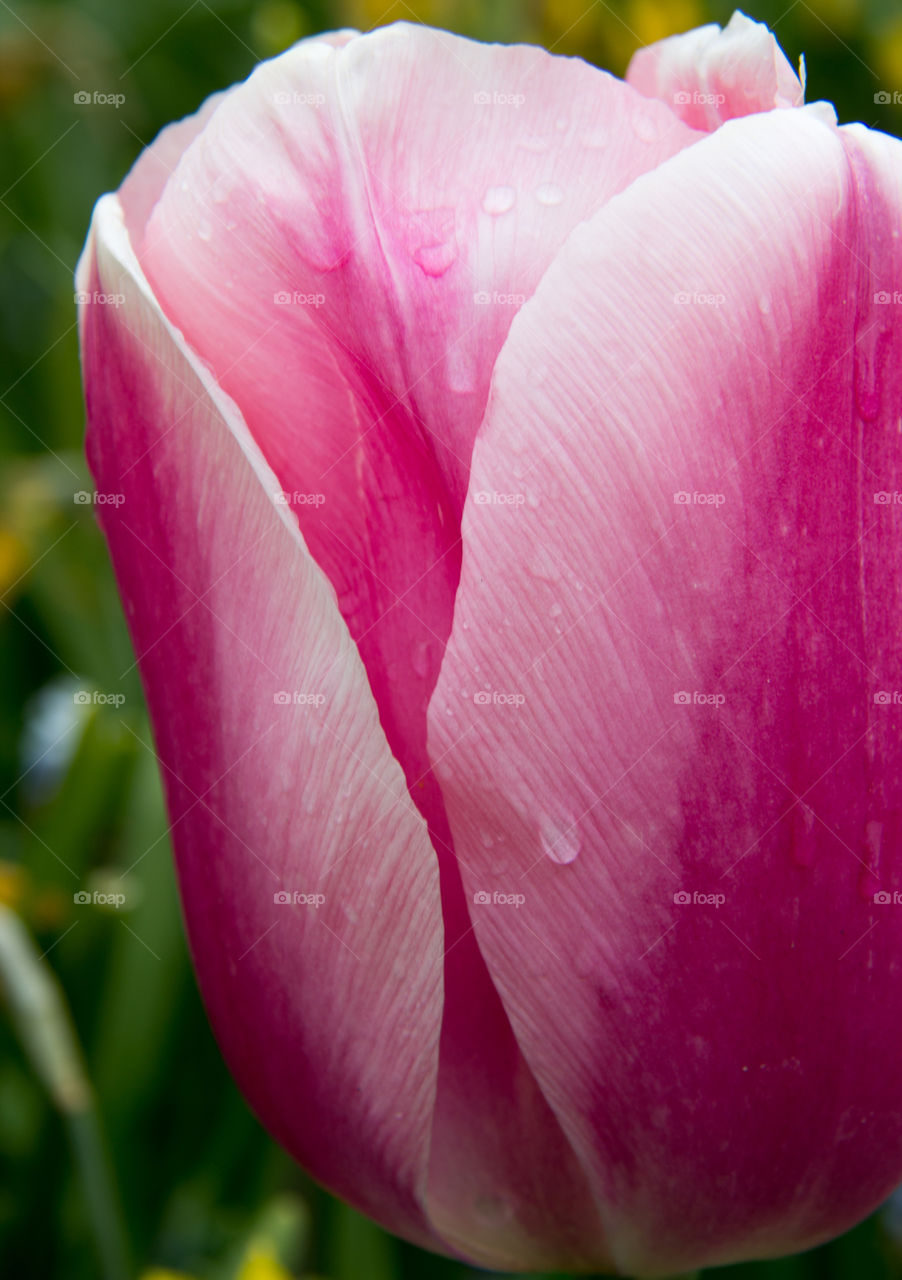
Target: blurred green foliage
point(204, 1192)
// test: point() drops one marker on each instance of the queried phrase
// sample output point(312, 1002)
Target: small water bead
point(549, 194)
point(204, 230)
point(868, 885)
point(645, 127)
point(535, 143)
point(435, 259)
point(498, 200)
point(420, 659)
point(804, 838)
point(560, 840)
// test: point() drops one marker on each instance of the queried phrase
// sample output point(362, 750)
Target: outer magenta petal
point(709, 75)
point(327, 1013)
point(679, 601)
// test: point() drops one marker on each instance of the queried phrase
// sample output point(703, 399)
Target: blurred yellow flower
point(260, 1263)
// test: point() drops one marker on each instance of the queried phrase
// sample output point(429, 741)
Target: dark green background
point(196, 1174)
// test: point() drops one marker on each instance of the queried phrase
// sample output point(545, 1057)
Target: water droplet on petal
point(543, 565)
point(498, 200)
point(868, 885)
point(804, 838)
point(560, 840)
point(645, 127)
point(549, 194)
point(492, 1211)
point(486, 839)
point(420, 659)
point(204, 230)
point(556, 610)
point(435, 259)
point(460, 371)
point(534, 143)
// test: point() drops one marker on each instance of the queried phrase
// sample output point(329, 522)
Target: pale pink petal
point(709, 75)
point(721, 330)
point(345, 245)
point(328, 1015)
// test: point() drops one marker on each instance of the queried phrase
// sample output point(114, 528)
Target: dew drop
point(486, 839)
point(873, 839)
point(492, 1211)
point(764, 304)
point(535, 143)
point(498, 200)
point(542, 565)
point(435, 259)
point(556, 610)
point(559, 840)
point(868, 885)
point(204, 230)
point(460, 372)
point(562, 124)
point(549, 194)
point(646, 128)
point(804, 839)
point(420, 659)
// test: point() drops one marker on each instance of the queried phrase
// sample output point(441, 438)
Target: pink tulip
point(509, 531)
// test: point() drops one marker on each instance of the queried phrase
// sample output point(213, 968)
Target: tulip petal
point(278, 774)
point(666, 715)
point(709, 75)
point(345, 244)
